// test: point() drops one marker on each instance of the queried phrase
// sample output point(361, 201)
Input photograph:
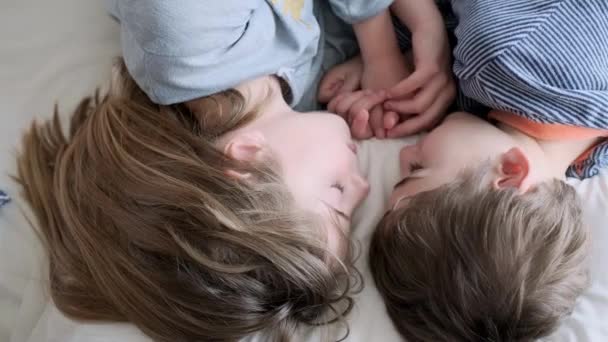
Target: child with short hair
point(484, 240)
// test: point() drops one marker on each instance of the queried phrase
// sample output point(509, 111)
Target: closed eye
point(415, 167)
point(401, 182)
point(338, 186)
point(413, 175)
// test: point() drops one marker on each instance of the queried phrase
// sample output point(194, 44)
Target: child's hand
point(355, 109)
point(384, 65)
point(383, 74)
point(343, 78)
point(423, 98)
point(339, 87)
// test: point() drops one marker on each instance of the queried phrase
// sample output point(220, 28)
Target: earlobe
point(513, 171)
point(246, 147)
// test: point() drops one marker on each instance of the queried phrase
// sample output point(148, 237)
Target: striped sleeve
point(546, 60)
point(590, 166)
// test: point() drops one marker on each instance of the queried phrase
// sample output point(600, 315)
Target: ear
point(244, 147)
point(514, 170)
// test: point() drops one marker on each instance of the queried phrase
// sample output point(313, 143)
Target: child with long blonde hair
point(196, 229)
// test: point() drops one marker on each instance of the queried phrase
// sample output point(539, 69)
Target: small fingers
point(360, 125)
point(367, 102)
point(352, 83)
point(424, 121)
point(422, 100)
point(415, 81)
point(328, 89)
point(342, 103)
point(331, 106)
point(390, 120)
point(350, 99)
point(376, 122)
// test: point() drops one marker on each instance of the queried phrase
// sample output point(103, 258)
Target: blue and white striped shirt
point(546, 60)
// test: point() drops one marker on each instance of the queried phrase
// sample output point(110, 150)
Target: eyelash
point(415, 167)
point(338, 186)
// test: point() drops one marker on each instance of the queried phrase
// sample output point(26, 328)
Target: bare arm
point(377, 39)
point(418, 15)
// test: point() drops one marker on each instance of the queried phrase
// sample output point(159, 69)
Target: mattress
point(60, 51)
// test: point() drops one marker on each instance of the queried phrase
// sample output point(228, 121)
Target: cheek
point(302, 180)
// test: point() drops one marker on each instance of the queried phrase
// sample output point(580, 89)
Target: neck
point(558, 154)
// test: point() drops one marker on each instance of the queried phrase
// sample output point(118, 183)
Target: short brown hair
point(465, 262)
point(142, 225)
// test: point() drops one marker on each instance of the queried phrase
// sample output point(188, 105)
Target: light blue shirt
point(183, 49)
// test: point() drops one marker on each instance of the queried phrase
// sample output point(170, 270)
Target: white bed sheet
point(62, 50)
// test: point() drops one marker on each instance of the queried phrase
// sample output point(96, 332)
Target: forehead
point(453, 127)
point(462, 125)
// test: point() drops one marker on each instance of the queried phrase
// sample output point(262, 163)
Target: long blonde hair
point(142, 225)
